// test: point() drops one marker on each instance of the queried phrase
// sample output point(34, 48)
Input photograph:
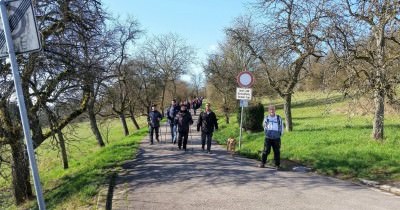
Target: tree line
point(350, 46)
point(85, 71)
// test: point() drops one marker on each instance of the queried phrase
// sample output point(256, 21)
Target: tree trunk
point(124, 125)
point(93, 125)
point(379, 91)
point(379, 103)
point(226, 111)
point(163, 98)
point(132, 113)
point(22, 189)
point(63, 149)
point(288, 112)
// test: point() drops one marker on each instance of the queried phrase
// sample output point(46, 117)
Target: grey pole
point(241, 121)
point(21, 104)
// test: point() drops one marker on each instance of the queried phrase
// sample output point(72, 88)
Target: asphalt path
point(163, 177)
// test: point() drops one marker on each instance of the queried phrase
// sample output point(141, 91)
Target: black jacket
point(183, 120)
point(207, 122)
point(154, 118)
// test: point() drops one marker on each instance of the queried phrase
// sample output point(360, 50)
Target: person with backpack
point(207, 122)
point(171, 114)
point(183, 120)
point(154, 122)
point(273, 128)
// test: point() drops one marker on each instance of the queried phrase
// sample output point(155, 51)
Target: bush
point(253, 117)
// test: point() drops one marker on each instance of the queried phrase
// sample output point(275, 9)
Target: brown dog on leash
point(230, 145)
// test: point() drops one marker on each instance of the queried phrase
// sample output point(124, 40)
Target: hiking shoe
point(261, 165)
point(209, 152)
point(158, 140)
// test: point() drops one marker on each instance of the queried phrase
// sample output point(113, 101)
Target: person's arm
point(215, 122)
point(191, 119)
point(282, 127)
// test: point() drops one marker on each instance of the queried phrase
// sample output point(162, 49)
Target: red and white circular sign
point(245, 79)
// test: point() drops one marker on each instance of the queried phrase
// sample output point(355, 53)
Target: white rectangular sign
point(23, 28)
point(243, 93)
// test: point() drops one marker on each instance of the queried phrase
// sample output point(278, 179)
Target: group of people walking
point(180, 120)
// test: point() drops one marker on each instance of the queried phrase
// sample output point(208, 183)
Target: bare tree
point(197, 81)
point(170, 55)
point(365, 41)
point(49, 77)
point(125, 33)
point(222, 69)
point(283, 43)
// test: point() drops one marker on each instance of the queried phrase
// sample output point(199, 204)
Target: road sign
point(244, 103)
point(245, 79)
point(243, 93)
point(23, 28)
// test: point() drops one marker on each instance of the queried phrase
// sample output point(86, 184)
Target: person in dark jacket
point(171, 114)
point(183, 120)
point(207, 122)
point(154, 122)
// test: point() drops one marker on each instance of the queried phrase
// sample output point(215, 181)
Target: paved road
point(163, 177)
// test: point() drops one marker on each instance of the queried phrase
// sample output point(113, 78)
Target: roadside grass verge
point(90, 166)
point(329, 141)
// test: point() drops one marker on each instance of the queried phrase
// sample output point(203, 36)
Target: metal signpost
point(13, 25)
point(245, 80)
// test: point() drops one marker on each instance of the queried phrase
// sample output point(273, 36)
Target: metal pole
point(240, 135)
point(21, 104)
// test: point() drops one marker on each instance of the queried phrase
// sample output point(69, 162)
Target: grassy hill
point(90, 166)
point(332, 135)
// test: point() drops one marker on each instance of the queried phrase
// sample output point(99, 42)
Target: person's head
point(208, 106)
point(183, 108)
point(153, 107)
point(173, 102)
point(271, 110)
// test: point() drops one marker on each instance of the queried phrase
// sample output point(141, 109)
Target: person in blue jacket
point(154, 123)
point(273, 128)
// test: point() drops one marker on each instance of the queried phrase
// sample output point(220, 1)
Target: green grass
point(329, 140)
point(90, 166)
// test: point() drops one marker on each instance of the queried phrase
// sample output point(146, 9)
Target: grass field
point(90, 166)
point(331, 138)
point(331, 135)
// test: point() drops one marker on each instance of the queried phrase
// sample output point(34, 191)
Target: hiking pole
point(166, 130)
point(191, 139)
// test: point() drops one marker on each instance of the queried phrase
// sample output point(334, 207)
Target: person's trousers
point(184, 136)
point(206, 137)
point(152, 129)
point(173, 132)
point(276, 146)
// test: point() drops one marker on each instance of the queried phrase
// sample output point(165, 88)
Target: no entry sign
point(245, 79)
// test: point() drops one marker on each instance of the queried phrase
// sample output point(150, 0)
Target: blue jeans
point(173, 132)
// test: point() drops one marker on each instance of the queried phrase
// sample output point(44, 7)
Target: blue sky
point(199, 22)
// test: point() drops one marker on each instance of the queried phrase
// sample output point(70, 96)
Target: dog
point(231, 145)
